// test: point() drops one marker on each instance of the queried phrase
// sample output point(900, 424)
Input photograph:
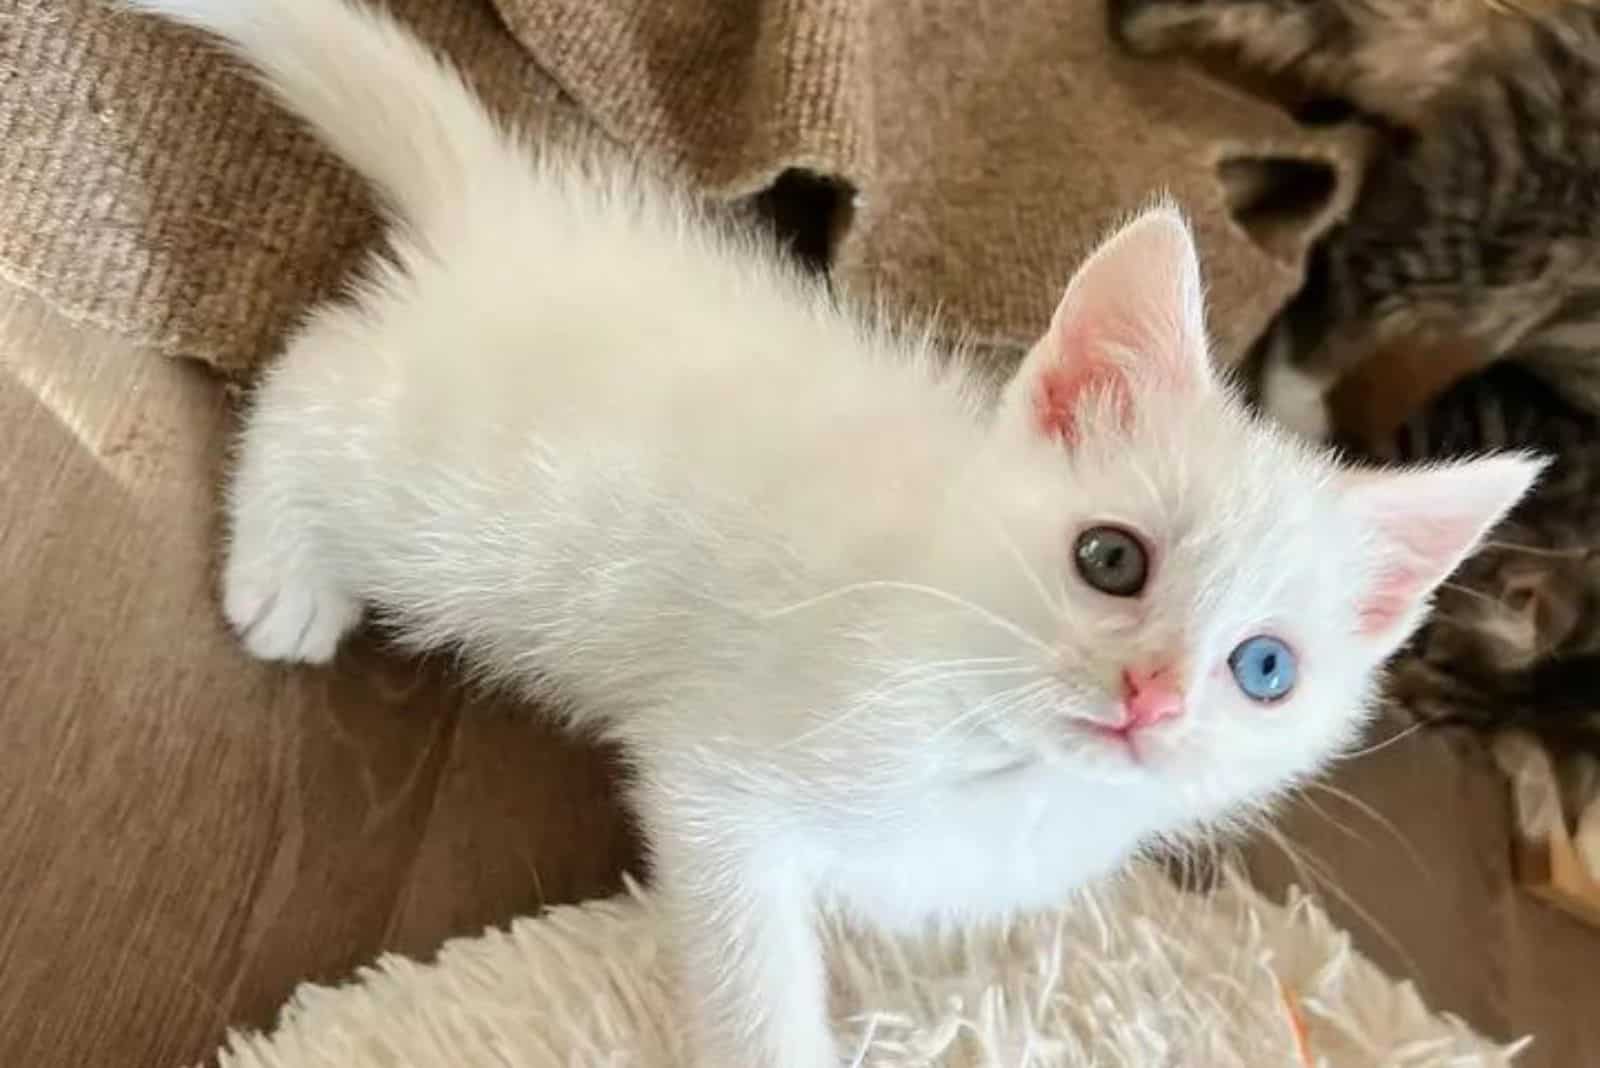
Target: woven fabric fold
point(147, 186)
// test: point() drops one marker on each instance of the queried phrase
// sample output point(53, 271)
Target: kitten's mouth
point(1127, 743)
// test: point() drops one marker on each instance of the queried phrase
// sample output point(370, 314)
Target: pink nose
point(1149, 697)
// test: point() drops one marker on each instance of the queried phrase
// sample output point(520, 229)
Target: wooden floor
point(185, 834)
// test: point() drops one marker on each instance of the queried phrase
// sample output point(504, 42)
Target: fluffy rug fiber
point(1137, 975)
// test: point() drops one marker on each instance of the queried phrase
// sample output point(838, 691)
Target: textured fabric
point(150, 189)
point(990, 143)
point(1136, 976)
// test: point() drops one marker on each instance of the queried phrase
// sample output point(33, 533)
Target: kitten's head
point(1207, 600)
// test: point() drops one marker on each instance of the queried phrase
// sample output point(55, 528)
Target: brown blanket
point(149, 189)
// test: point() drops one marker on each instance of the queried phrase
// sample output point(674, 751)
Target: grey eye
point(1112, 560)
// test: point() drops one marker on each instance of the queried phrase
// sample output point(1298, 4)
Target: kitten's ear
point(1422, 522)
point(1132, 320)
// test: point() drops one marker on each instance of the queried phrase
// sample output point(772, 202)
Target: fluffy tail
point(382, 100)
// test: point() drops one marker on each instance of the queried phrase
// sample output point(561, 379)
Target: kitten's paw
point(1296, 399)
point(283, 615)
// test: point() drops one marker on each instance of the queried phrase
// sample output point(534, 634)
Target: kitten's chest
point(1020, 841)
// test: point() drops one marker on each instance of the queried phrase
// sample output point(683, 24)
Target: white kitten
point(867, 636)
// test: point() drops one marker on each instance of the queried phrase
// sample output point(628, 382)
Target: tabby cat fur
point(1480, 224)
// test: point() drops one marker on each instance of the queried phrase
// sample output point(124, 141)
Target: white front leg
point(744, 928)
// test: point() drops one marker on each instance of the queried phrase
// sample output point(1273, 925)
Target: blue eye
point(1263, 667)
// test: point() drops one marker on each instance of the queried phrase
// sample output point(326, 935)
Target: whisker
point(880, 693)
point(1313, 872)
point(937, 674)
point(1026, 568)
point(1323, 814)
point(1376, 817)
point(1387, 742)
point(1148, 484)
point(990, 708)
point(1573, 552)
point(1470, 592)
point(932, 671)
point(992, 618)
point(938, 669)
point(1027, 703)
point(1450, 618)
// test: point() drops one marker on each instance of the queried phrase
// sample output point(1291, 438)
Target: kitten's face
point(1246, 620)
point(1201, 602)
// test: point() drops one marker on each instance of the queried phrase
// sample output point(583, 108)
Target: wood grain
point(184, 833)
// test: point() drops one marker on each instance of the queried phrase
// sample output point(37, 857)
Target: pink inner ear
point(1428, 548)
point(1077, 373)
point(1135, 299)
point(1391, 598)
point(1063, 387)
point(1424, 520)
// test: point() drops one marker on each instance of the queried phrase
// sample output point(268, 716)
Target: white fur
point(820, 589)
point(1293, 397)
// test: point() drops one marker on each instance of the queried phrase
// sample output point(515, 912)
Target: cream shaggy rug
point(1138, 975)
